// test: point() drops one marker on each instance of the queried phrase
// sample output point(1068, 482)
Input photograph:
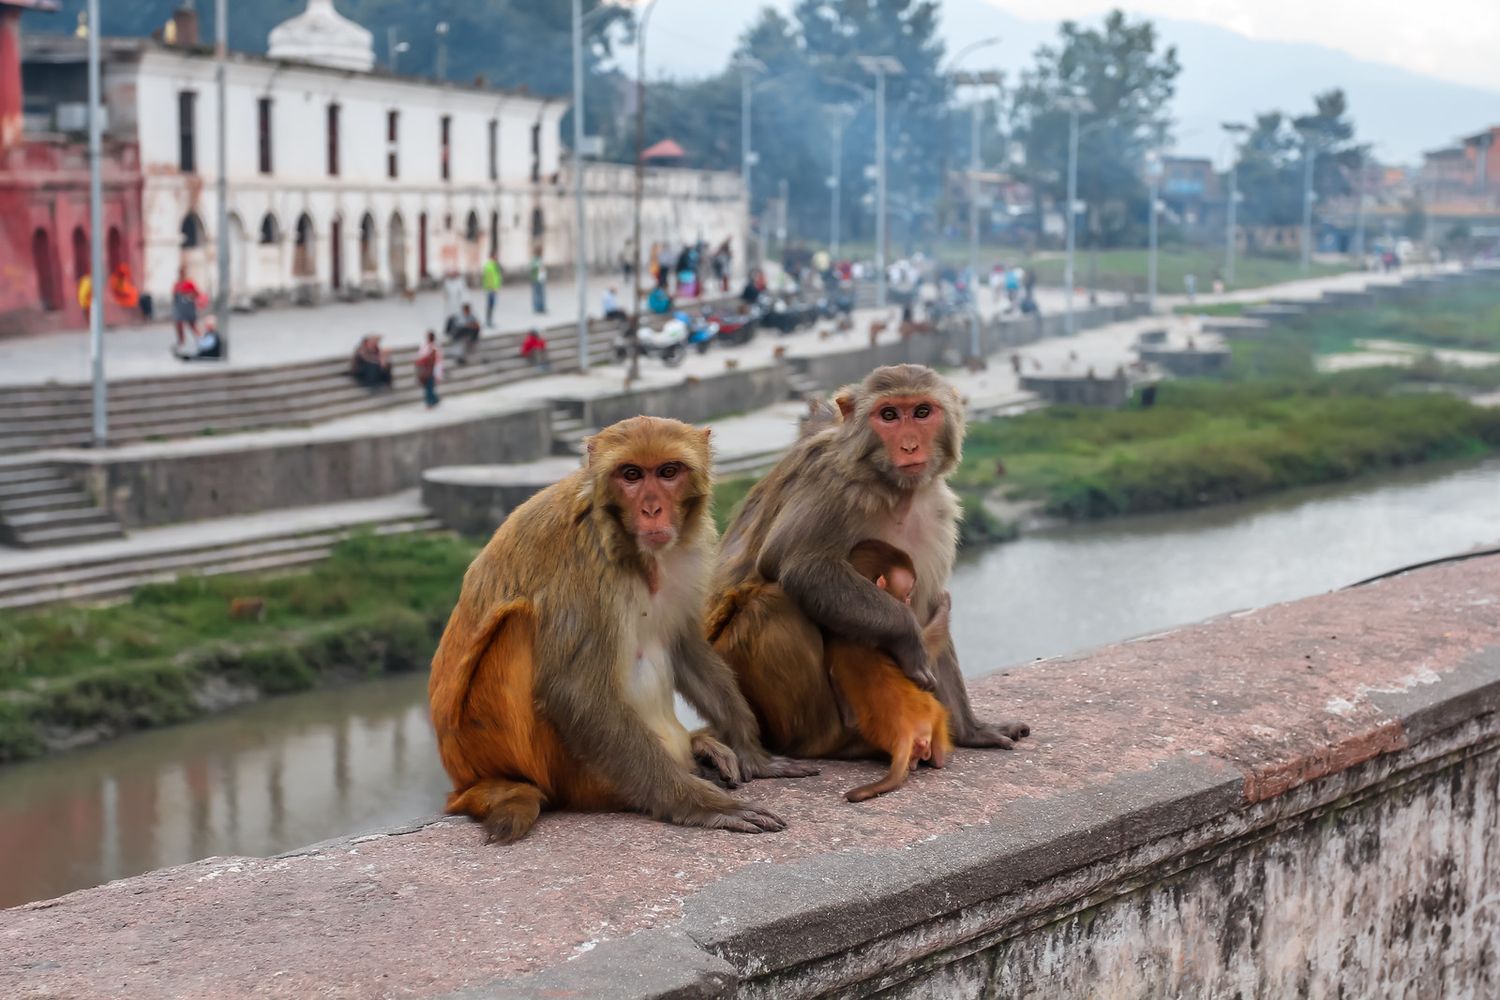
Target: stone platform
point(1299, 800)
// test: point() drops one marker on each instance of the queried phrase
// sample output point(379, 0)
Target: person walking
point(538, 282)
point(492, 279)
point(185, 299)
point(429, 365)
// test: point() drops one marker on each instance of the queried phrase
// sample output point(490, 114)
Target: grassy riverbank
point(1466, 317)
point(1118, 269)
point(75, 674)
point(1210, 442)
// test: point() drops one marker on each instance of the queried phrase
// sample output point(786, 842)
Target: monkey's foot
point(741, 817)
point(767, 766)
point(1002, 735)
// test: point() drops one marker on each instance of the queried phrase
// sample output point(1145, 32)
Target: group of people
point(1015, 286)
point(685, 273)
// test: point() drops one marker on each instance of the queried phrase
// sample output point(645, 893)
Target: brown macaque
point(876, 470)
point(247, 608)
point(552, 687)
point(890, 712)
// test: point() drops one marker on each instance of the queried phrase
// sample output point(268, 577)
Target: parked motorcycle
point(670, 343)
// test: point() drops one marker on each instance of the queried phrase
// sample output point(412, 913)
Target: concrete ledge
point(168, 483)
point(1253, 803)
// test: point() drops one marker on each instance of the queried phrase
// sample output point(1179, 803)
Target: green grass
point(1126, 269)
point(376, 606)
point(1235, 309)
point(1466, 317)
point(1207, 442)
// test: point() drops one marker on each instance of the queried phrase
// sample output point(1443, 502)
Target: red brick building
point(44, 196)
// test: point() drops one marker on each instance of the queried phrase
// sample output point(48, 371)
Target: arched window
point(538, 222)
point(471, 228)
point(46, 275)
point(304, 264)
point(192, 232)
point(270, 232)
point(367, 263)
point(114, 249)
point(82, 258)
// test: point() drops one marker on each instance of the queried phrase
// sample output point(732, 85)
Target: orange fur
point(894, 715)
point(482, 709)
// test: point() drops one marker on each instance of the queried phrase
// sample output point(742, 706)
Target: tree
point(1128, 80)
point(1272, 165)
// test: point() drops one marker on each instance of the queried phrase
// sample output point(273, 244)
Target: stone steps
point(295, 396)
point(100, 578)
point(40, 505)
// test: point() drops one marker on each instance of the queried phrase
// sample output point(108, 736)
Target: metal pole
point(835, 182)
point(580, 255)
point(221, 55)
point(1308, 157)
point(96, 224)
point(442, 50)
point(746, 105)
point(880, 290)
point(1359, 207)
point(634, 371)
point(974, 231)
point(1229, 228)
point(1068, 279)
point(1155, 175)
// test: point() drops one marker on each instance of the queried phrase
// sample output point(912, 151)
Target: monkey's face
point(909, 428)
point(899, 582)
point(650, 498)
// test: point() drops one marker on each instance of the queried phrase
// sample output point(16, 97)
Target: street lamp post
point(748, 66)
point(221, 57)
point(442, 50)
point(880, 66)
point(1309, 159)
point(962, 79)
point(634, 371)
point(1074, 105)
point(580, 249)
point(1233, 129)
point(96, 224)
point(1153, 174)
point(1362, 153)
point(835, 183)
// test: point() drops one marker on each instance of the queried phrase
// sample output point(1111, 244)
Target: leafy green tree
point(1128, 78)
point(1272, 165)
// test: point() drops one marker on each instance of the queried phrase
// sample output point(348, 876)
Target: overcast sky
point(1457, 40)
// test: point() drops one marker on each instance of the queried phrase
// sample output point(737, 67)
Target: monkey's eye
point(632, 473)
point(889, 414)
point(669, 471)
point(922, 412)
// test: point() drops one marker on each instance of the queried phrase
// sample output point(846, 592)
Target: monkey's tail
point(508, 809)
point(894, 779)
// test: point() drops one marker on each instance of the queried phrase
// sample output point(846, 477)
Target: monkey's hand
point(716, 762)
point(914, 661)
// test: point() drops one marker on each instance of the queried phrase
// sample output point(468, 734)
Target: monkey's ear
point(590, 444)
point(706, 433)
point(845, 402)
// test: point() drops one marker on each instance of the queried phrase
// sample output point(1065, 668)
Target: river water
point(296, 770)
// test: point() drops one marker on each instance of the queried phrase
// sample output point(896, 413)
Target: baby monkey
point(891, 713)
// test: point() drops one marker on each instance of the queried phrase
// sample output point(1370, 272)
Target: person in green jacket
point(492, 279)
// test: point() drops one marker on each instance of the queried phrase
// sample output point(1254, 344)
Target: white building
point(348, 181)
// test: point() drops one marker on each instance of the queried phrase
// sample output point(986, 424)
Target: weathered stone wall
point(146, 485)
point(1295, 801)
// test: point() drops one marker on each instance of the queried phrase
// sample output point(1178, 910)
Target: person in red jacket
point(185, 300)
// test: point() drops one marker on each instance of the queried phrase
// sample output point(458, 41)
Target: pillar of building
point(10, 75)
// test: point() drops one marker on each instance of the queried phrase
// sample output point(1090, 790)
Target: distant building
point(1192, 196)
point(44, 198)
point(1463, 179)
point(344, 179)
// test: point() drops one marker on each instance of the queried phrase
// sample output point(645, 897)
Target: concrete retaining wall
point(148, 485)
point(1299, 801)
point(694, 401)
